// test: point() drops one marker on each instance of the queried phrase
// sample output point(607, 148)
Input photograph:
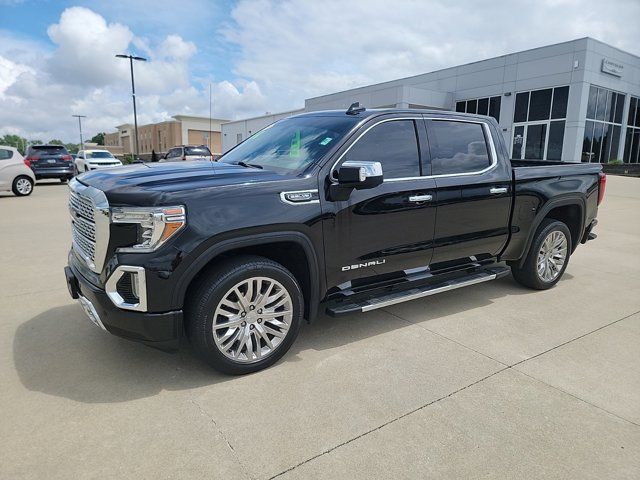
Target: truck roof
point(382, 111)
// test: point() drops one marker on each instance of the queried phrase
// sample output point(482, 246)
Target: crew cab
point(332, 211)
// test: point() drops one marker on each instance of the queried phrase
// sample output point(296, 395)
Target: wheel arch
point(569, 210)
point(293, 250)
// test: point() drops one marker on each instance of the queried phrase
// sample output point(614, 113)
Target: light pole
point(133, 94)
point(80, 117)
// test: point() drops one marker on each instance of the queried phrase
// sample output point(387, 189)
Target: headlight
point(155, 225)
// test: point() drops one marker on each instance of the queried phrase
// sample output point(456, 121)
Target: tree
point(55, 142)
point(98, 138)
point(14, 141)
point(72, 147)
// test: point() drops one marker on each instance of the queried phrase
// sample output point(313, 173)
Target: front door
point(474, 191)
point(387, 229)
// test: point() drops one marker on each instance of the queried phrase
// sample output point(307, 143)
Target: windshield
point(99, 155)
point(196, 151)
point(292, 144)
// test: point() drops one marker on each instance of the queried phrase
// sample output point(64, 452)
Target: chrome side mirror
point(355, 175)
point(360, 175)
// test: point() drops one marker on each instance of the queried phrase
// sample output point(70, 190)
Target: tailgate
point(49, 157)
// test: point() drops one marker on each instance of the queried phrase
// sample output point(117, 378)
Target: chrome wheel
point(23, 186)
point(552, 256)
point(252, 319)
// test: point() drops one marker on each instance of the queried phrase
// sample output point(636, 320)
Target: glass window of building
point(482, 106)
point(632, 140)
point(603, 125)
point(539, 121)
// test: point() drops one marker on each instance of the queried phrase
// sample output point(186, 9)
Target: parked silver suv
point(187, 153)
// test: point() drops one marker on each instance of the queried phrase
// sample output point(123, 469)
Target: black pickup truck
point(329, 211)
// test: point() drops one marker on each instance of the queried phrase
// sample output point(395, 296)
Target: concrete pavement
point(491, 381)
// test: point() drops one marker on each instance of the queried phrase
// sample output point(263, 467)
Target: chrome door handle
point(498, 190)
point(420, 198)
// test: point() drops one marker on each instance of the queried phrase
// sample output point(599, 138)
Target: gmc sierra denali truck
point(328, 211)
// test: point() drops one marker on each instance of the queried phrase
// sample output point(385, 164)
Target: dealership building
point(160, 137)
point(572, 101)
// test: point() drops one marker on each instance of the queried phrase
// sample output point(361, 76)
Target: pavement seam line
point(400, 417)
point(574, 339)
point(246, 472)
point(446, 338)
point(506, 367)
point(576, 397)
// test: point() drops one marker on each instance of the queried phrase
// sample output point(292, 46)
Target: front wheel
point(548, 256)
point(244, 314)
point(22, 186)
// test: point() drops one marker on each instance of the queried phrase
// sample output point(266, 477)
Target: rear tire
point(262, 302)
point(547, 258)
point(22, 186)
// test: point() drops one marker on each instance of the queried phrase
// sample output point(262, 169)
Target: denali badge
point(372, 263)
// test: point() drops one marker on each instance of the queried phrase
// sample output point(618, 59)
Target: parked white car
point(94, 159)
point(14, 173)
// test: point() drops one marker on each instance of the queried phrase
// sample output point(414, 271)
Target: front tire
point(547, 258)
point(22, 186)
point(244, 315)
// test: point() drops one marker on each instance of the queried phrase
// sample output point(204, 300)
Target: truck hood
point(173, 177)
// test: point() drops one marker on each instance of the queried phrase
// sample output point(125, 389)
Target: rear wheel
point(548, 256)
point(22, 186)
point(244, 314)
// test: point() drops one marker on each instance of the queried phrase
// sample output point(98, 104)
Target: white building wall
point(576, 63)
point(246, 128)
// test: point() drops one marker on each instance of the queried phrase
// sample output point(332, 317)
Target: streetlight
point(133, 94)
point(80, 117)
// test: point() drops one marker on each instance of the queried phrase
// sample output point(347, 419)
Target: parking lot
point(491, 381)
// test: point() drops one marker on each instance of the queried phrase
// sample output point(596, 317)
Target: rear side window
point(457, 147)
point(394, 144)
point(5, 154)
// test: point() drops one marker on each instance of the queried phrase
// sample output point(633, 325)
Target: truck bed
point(527, 169)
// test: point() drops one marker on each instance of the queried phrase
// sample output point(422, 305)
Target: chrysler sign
point(612, 68)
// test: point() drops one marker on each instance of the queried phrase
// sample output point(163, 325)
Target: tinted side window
point(5, 154)
point(457, 147)
point(394, 144)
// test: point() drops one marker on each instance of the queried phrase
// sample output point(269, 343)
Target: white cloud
point(40, 88)
point(284, 51)
point(295, 49)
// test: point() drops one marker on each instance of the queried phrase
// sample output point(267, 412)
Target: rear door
point(389, 228)
point(6, 168)
point(474, 191)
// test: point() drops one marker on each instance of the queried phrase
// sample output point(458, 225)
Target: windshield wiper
point(250, 165)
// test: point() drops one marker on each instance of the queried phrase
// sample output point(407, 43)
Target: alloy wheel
point(252, 319)
point(552, 256)
point(23, 186)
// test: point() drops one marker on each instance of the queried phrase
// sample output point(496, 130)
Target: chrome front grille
point(84, 227)
point(82, 206)
point(89, 211)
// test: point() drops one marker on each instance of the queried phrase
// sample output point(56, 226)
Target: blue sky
point(57, 57)
point(151, 19)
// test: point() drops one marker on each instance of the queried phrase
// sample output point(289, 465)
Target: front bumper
point(101, 166)
point(53, 172)
point(159, 330)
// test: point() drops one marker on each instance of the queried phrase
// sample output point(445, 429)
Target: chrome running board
point(388, 299)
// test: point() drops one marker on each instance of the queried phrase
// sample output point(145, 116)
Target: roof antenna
point(355, 109)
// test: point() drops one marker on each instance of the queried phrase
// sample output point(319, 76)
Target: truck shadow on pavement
point(59, 352)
